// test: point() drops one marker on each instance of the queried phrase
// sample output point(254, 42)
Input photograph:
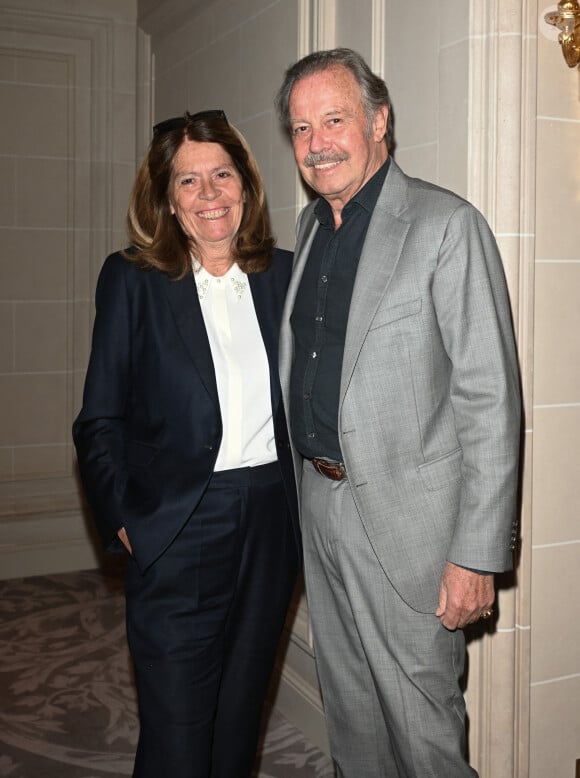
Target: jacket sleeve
point(99, 432)
point(473, 312)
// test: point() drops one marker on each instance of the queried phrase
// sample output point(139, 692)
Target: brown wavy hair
point(157, 238)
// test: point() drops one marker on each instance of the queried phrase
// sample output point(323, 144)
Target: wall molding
point(501, 154)
point(378, 37)
point(81, 43)
point(42, 544)
point(42, 526)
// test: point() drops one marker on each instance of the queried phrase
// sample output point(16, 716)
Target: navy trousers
point(203, 625)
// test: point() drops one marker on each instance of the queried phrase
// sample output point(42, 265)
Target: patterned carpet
point(67, 703)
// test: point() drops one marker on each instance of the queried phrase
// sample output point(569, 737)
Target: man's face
point(335, 149)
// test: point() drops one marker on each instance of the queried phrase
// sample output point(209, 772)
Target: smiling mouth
point(324, 161)
point(327, 165)
point(215, 214)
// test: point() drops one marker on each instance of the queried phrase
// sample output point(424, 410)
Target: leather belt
point(333, 470)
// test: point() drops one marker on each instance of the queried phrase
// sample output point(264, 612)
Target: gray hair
point(374, 92)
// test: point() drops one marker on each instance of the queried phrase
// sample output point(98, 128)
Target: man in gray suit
point(399, 369)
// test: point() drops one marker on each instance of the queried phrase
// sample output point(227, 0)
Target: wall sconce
point(567, 20)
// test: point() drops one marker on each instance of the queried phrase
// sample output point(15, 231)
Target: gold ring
point(486, 614)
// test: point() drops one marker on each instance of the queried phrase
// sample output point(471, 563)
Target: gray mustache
point(312, 158)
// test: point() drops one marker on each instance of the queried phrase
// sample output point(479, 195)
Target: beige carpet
point(67, 702)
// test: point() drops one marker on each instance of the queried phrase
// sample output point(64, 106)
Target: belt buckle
point(335, 471)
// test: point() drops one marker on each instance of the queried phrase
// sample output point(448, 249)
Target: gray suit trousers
point(389, 675)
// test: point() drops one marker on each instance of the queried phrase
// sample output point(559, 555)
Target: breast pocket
point(395, 313)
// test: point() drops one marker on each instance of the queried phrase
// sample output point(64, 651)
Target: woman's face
point(206, 195)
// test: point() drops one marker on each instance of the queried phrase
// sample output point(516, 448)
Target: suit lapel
point(381, 252)
point(306, 230)
point(184, 302)
point(264, 300)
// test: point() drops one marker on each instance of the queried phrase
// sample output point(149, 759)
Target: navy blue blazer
point(150, 427)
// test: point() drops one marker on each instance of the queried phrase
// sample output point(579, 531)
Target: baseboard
point(42, 544)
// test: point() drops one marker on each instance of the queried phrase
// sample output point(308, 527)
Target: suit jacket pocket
point(396, 312)
point(140, 454)
point(442, 471)
point(142, 493)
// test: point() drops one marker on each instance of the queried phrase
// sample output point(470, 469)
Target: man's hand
point(464, 596)
point(124, 538)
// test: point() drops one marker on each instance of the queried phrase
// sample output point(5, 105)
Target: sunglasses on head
point(180, 122)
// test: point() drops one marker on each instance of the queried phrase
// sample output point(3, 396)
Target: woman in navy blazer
point(183, 448)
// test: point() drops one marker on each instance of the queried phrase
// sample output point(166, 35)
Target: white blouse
point(241, 368)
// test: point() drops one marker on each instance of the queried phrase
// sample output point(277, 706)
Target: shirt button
point(324, 279)
point(319, 318)
point(311, 434)
point(314, 355)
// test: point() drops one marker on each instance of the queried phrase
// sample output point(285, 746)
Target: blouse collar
point(235, 279)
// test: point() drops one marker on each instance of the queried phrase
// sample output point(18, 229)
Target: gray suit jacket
point(429, 414)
